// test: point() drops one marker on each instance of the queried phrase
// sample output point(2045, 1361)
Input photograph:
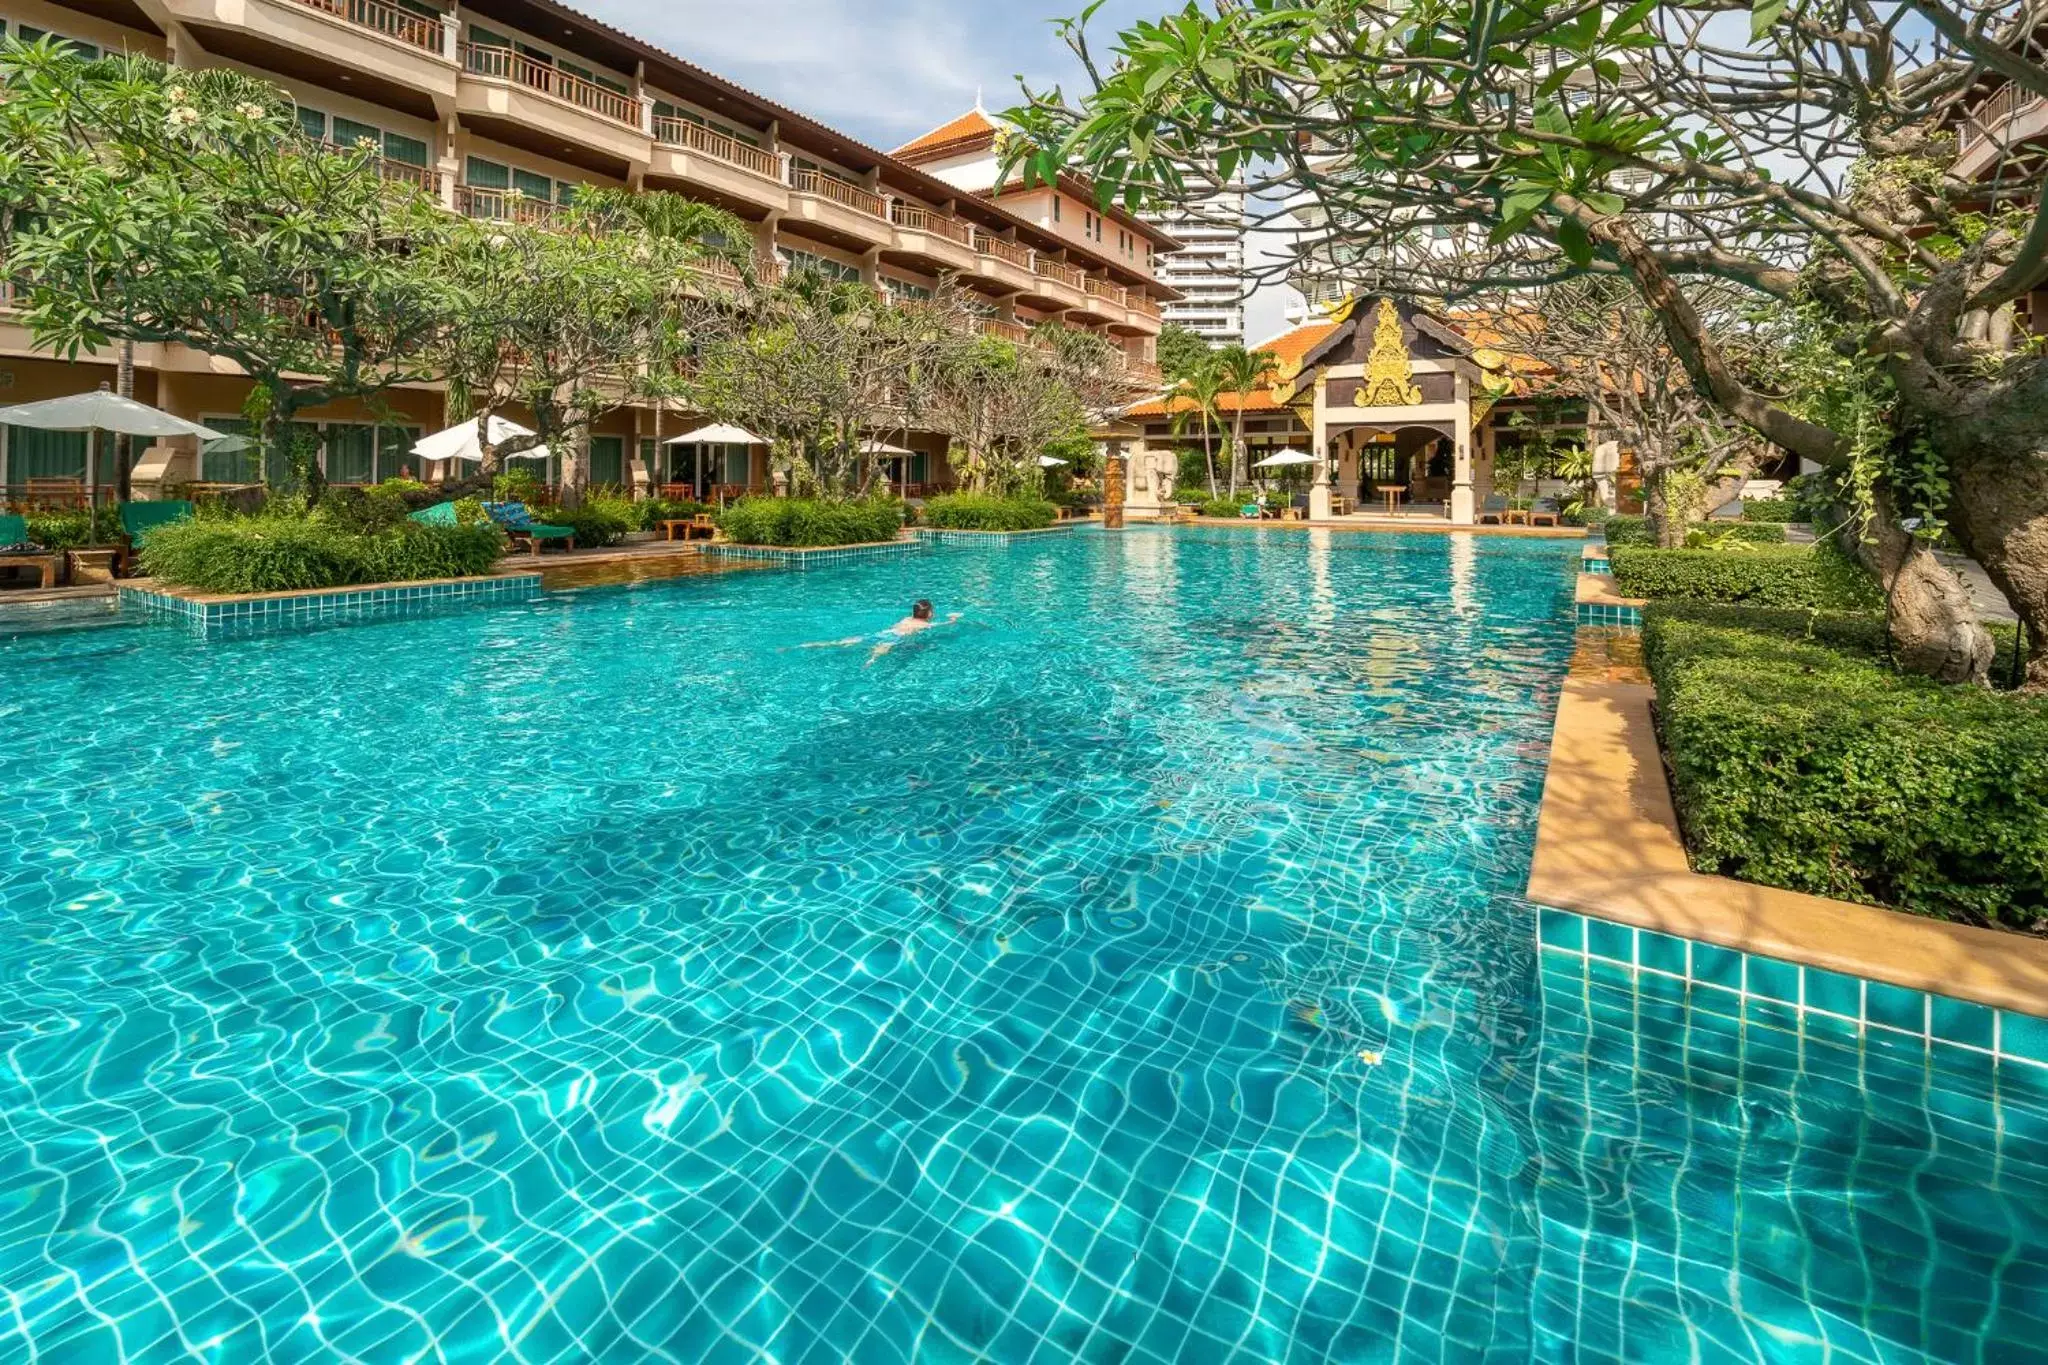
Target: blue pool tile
point(1774, 980)
point(1834, 992)
point(1561, 929)
point(1661, 952)
point(1959, 1021)
point(2024, 1036)
point(1895, 1007)
point(1717, 966)
point(1615, 942)
point(1716, 1000)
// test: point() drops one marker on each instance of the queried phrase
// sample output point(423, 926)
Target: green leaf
point(1578, 247)
point(1762, 15)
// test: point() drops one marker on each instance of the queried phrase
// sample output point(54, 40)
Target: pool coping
point(960, 535)
point(1608, 847)
point(806, 555)
point(1418, 527)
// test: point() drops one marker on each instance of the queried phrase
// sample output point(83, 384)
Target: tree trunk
point(1209, 456)
point(124, 447)
point(1667, 529)
point(1934, 625)
point(1999, 512)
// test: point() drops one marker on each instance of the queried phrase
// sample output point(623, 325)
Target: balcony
point(928, 236)
point(390, 53)
point(2009, 119)
point(399, 172)
point(841, 212)
point(1103, 301)
point(1004, 263)
point(503, 85)
point(1006, 331)
point(504, 206)
point(706, 159)
point(1142, 312)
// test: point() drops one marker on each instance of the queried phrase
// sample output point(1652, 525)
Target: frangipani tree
point(579, 314)
point(1801, 151)
point(142, 203)
point(1007, 403)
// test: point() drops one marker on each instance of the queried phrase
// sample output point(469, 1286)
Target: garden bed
point(1800, 759)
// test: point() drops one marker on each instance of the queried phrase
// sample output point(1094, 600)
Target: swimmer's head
point(922, 610)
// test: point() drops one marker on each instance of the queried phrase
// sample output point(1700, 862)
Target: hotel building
point(474, 101)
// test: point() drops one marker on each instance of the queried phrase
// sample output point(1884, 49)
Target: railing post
point(647, 114)
point(786, 168)
point(451, 35)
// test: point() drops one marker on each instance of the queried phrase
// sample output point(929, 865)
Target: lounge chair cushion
point(542, 531)
point(440, 514)
point(13, 532)
point(138, 519)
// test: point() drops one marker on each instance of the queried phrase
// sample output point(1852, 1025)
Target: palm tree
point(1242, 372)
point(1202, 386)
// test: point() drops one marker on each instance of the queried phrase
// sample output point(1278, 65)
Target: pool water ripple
point(1134, 971)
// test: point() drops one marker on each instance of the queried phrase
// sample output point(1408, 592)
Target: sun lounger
point(518, 524)
point(1544, 511)
point(14, 532)
point(440, 514)
point(140, 519)
point(1494, 509)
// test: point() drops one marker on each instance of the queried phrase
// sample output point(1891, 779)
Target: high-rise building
point(502, 109)
point(1209, 269)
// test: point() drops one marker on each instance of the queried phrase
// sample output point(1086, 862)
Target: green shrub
point(1817, 578)
point(1623, 530)
point(1801, 760)
point(600, 519)
point(811, 522)
point(1709, 534)
point(516, 485)
point(654, 511)
point(1766, 511)
point(362, 511)
point(983, 512)
point(281, 554)
point(73, 528)
point(1233, 508)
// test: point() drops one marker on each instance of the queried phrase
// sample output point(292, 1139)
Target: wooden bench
point(691, 527)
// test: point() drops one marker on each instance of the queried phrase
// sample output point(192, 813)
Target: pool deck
point(1608, 846)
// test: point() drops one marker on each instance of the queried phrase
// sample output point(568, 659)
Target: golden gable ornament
point(1389, 373)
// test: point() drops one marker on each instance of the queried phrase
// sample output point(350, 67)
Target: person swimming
point(921, 619)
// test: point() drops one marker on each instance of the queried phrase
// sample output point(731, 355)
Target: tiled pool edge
point(805, 559)
point(939, 535)
point(1608, 852)
point(1598, 602)
point(212, 617)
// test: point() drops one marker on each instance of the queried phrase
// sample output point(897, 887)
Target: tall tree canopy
point(143, 203)
point(1802, 151)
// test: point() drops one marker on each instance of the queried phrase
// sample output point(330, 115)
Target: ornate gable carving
point(1389, 372)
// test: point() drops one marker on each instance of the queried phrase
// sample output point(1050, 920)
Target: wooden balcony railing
point(504, 206)
point(401, 25)
point(1990, 117)
point(681, 132)
point(397, 172)
point(1145, 372)
point(1005, 331)
point(509, 64)
point(1057, 271)
point(1104, 290)
point(1002, 250)
point(1138, 303)
point(917, 218)
point(805, 181)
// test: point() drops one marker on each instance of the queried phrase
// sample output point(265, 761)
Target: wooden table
point(691, 526)
point(1392, 494)
point(1340, 506)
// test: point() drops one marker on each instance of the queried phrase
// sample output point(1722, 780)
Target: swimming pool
point(1133, 971)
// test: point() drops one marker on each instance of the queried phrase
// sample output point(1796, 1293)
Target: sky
point(885, 71)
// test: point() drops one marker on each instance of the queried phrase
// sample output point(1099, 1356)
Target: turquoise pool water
point(1133, 971)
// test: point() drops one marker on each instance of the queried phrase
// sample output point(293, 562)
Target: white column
point(451, 35)
point(1319, 446)
point(1464, 510)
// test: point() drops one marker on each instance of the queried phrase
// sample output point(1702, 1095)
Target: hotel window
point(608, 461)
point(1055, 208)
point(480, 174)
point(795, 260)
point(29, 33)
point(901, 290)
point(347, 133)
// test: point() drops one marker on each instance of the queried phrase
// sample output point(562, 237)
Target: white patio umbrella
point(101, 410)
point(718, 434)
point(1285, 458)
point(459, 442)
point(1048, 461)
point(884, 448)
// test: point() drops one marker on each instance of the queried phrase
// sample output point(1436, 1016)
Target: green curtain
point(394, 452)
point(608, 460)
point(33, 454)
point(351, 453)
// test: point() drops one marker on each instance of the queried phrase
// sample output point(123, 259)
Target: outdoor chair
point(1544, 511)
point(55, 494)
point(440, 514)
point(518, 524)
point(16, 554)
point(1494, 509)
point(139, 519)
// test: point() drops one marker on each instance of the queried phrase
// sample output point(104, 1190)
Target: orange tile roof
point(1288, 349)
point(972, 124)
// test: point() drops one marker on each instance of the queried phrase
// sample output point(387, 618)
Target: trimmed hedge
point(599, 520)
point(1817, 579)
point(811, 522)
point(654, 511)
point(1801, 760)
point(1711, 533)
point(1623, 530)
point(1766, 511)
point(282, 554)
point(1232, 508)
point(983, 512)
